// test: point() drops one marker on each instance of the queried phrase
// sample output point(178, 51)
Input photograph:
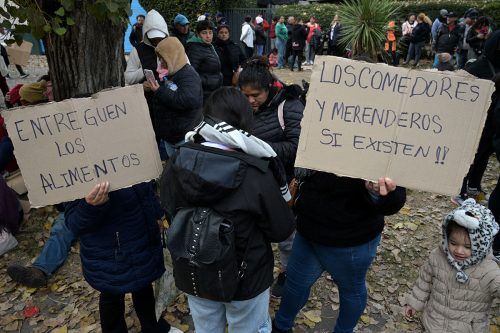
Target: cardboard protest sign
point(420, 128)
point(64, 149)
point(19, 54)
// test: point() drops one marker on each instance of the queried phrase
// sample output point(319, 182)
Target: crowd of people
point(228, 129)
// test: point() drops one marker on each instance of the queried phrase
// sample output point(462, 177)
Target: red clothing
point(265, 25)
point(272, 32)
point(312, 28)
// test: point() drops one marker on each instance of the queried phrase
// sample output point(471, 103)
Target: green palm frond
point(365, 24)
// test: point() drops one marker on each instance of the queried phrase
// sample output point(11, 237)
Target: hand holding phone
point(149, 75)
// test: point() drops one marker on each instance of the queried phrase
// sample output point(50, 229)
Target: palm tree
point(365, 24)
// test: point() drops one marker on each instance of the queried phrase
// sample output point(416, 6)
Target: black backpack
point(202, 245)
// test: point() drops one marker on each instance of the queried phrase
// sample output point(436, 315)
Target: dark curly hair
point(256, 73)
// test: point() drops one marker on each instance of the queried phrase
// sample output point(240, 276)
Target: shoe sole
point(18, 275)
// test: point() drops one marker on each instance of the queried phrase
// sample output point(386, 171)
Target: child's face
point(459, 245)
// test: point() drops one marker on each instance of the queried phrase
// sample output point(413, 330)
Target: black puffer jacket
point(447, 41)
point(339, 211)
point(267, 125)
point(179, 111)
point(260, 35)
point(420, 33)
point(299, 35)
point(231, 58)
point(205, 61)
point(240, 187)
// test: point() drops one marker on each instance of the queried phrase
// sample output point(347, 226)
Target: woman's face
point(282, 19)
point(256, 96)
point(411, 18)
point(163, 63)
point(206, 35)
point(223, 34)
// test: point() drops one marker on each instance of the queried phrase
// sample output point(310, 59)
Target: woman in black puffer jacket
point(277, 114)
point(230, 54)
point(265, 93)
point(204, 58)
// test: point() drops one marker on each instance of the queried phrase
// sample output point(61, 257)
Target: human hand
point(383, 187)
point(99, 194)
point(409, 311)
point(7, 97)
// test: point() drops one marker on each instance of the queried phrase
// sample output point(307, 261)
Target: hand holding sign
point(383, 187)
point(99, 194)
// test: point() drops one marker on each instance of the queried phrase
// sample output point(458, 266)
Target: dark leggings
point(3, 85)
point(112, 311)
point(295, 54)
point(494, 206)
point(484, 151)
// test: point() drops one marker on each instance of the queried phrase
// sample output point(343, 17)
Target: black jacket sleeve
point(389, 204)
point(287, 149)
point(186, 97)
point(276, 219)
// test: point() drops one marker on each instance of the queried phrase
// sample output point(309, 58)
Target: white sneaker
point(174, 330)
point(7, 242)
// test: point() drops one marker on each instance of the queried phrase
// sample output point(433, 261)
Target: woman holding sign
point(339, 226)
point(121, 251)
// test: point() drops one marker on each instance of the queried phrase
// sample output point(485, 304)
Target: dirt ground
point(69, 304)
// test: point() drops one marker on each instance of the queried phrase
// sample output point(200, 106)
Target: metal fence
point(236, 17)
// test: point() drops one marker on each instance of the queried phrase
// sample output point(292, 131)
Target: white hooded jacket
point(247, 34)
point(134, 73)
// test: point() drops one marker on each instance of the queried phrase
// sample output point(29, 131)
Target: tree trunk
point(88, 57)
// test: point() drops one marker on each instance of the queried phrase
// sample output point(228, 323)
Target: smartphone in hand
point(149, 75)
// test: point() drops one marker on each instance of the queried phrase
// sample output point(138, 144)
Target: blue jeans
point(56, 248)
point(249, 316)
point(281, 45)
point(260, 49)
point(346, 265)
point(436, 61)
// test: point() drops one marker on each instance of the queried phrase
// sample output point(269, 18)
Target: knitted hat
point(33, 92)
point(481, 226)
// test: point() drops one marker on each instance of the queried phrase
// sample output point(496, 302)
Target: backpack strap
point(243, 265)
point(281, 117)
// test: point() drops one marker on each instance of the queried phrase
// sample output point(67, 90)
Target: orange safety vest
point(391, 37)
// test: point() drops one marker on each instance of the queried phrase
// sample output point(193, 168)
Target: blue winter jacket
point(120, 244)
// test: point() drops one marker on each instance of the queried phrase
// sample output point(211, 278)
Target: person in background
point(220, 19)
point(178, 97)
point(5, 35)
point(272, 32)
point(273, 57)
point(436, 25)
point(408, 25)
point(230, 55)
point(494, 201)
point(143, 57)
point(299, 35)
point(334, 37)
point(477, 36)
point(311, 26)
point(419, 36)
point(11, 214)
point(470, 18)
point(445, 62)
point(260, 36)
point(204, 58)
point(458, 283)
point(288, 51)
point(136, 34)
point(390, 42)
point(181, 29)
point(281, 41)
point(247, 36)
point(486, 68)
point(447, 38)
